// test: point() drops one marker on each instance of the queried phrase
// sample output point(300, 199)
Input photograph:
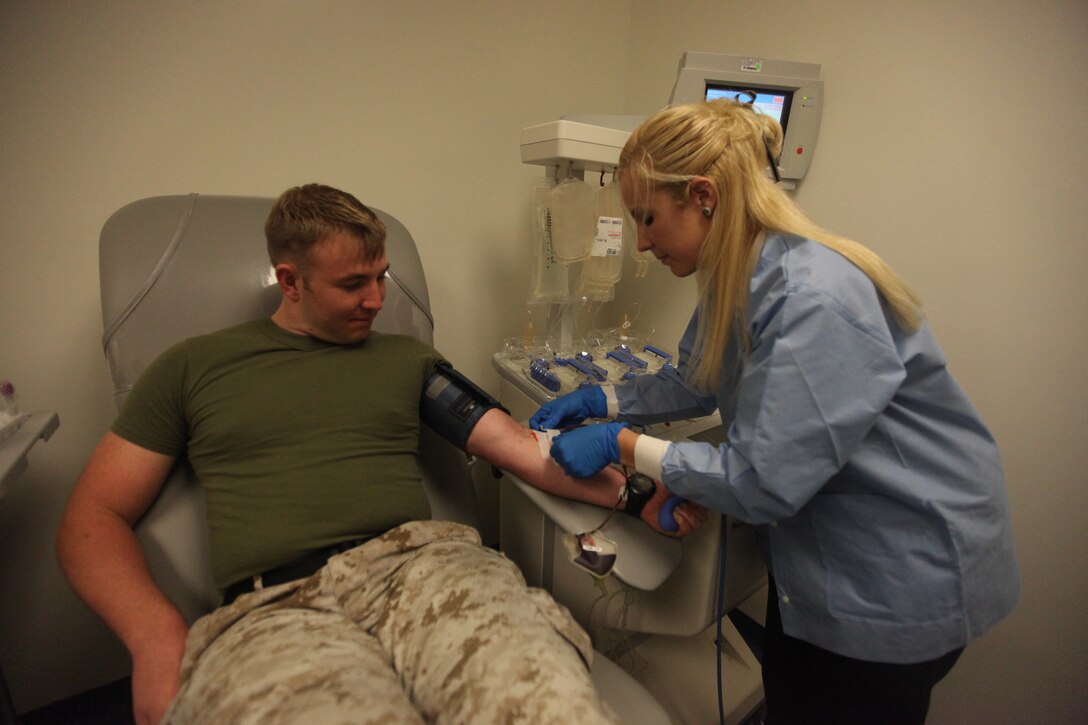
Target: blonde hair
point(729, 143)
point(305, 215)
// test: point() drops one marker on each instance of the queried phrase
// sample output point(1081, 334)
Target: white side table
point(36, 427)
point(13, 451)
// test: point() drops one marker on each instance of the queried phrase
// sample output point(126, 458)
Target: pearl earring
point(708, 212)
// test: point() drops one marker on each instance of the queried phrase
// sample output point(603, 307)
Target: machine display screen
point(772, 102)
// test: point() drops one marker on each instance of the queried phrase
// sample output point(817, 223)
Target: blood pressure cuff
point(452, 405)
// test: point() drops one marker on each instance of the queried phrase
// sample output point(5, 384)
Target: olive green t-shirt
point(298, 443)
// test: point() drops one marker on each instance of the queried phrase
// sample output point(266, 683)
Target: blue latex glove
point(571, 409)
point(584, 451)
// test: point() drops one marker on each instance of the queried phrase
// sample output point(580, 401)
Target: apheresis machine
point(663, 611)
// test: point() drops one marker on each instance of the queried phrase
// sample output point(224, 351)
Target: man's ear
point(289, 280)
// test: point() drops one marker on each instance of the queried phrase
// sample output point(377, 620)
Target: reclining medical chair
point(177, 266)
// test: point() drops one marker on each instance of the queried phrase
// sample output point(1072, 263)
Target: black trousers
point(806, 684)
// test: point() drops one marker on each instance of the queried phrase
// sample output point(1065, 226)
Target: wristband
point(638, 490)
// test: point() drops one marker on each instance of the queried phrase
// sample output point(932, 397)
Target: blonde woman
point(876, 489)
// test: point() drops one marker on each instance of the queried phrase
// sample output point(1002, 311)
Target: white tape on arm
point(649, 454)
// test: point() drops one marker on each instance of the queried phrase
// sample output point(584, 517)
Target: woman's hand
point(584, 451)
point(571, 409)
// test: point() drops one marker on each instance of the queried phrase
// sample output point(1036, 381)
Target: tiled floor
point(107, 705)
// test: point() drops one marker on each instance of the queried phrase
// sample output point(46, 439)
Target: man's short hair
point(306, 215)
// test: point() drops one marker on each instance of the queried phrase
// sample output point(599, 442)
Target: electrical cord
point(721, 614)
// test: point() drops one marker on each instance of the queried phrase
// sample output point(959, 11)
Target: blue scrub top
point(877, 489)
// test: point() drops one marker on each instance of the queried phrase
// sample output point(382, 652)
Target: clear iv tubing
point(566, 326)
point(591, 310)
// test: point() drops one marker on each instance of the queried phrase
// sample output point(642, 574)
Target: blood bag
point(605, 263)
point(571, 205)
point(549, 280)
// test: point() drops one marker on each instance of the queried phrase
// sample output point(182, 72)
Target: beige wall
point(946, 146)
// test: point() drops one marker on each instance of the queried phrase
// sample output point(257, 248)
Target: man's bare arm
point(502, 441)
point(102, 559)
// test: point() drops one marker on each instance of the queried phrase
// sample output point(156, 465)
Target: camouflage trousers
point(420, 625)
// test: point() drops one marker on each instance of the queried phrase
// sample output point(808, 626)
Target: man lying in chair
point(303, 429)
